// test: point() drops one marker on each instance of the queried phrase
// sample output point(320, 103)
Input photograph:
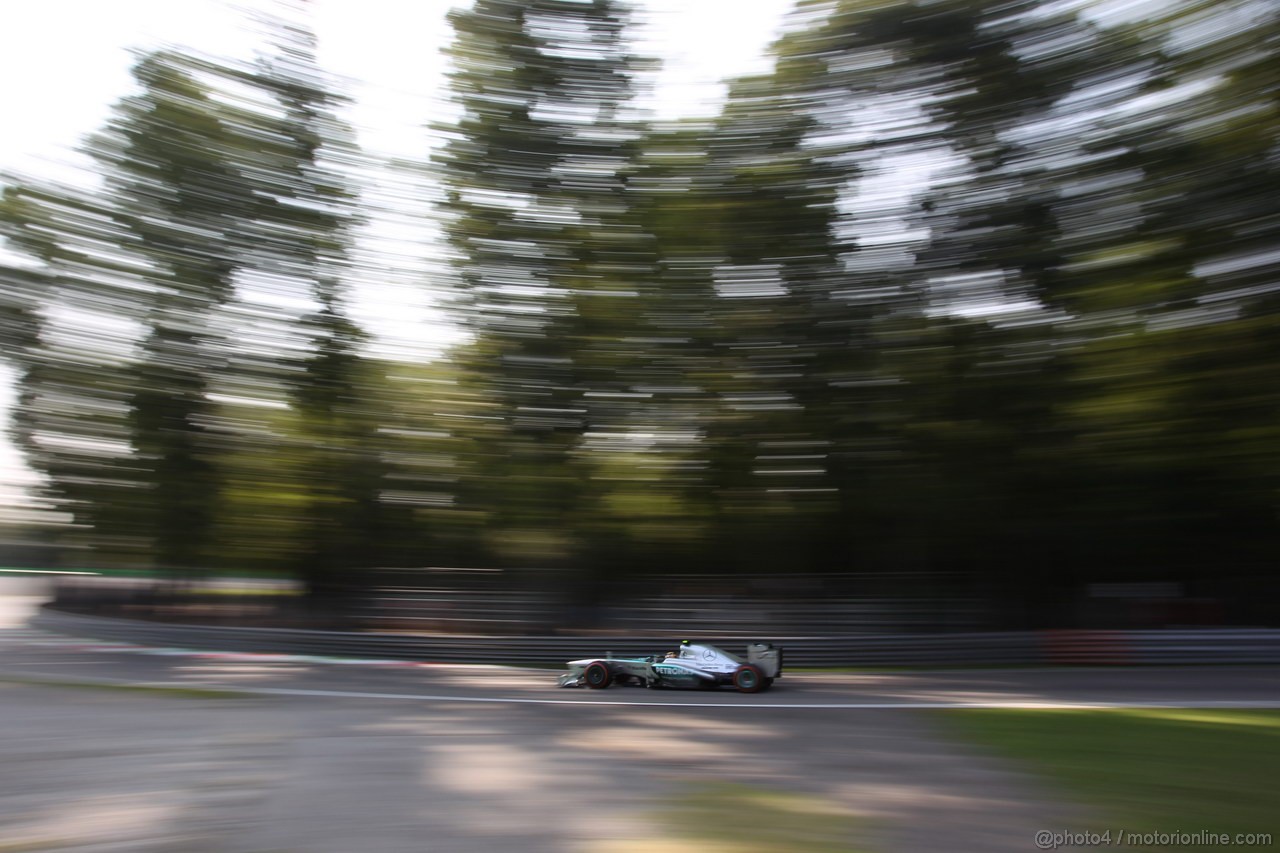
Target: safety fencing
point(1024, 648)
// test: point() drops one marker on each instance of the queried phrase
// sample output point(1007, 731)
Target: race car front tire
point(597, 676)
point(749, 678)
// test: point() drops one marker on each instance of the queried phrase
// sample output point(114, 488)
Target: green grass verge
point(255, 592)
point(736, 818)
point(33, 845)
point(1148, 770)
point(180, 692)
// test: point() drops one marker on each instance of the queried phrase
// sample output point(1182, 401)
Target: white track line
point(607, 703)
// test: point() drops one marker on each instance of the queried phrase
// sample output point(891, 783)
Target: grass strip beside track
point(180, 692)
point(737, 818)
point(1147, 770)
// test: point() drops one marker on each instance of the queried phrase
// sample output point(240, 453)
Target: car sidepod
point(674, 673)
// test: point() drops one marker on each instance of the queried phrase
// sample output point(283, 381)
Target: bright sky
point(65, 62)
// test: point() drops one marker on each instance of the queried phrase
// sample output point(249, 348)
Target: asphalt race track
point(36, 655)
point(327, 757)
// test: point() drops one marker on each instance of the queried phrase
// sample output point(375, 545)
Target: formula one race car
point(694, 665)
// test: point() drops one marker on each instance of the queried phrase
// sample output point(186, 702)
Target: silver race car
point(694, 665)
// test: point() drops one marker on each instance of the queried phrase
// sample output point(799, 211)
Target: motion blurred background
point(937, 315)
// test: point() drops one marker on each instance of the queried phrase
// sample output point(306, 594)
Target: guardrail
point(944, 649)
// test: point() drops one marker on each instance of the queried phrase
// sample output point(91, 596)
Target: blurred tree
point(304, 169)
point(1082, 196)
point(82, 290)
point(178, 204)
point(741, 212)
point(544, 257)
point(1180, 295)
point(22, 284)
point(970, 93)
point(223, 187)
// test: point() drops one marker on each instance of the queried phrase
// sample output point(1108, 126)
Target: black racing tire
point(768, 682)
point(749, 679)
point(597, 676)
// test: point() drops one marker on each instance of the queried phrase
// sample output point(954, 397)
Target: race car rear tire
point(597, 676)
point(749, 678)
